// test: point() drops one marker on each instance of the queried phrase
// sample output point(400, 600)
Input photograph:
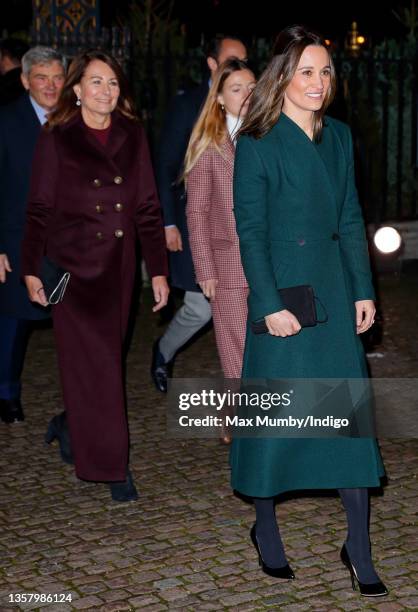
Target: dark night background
point(253, 18)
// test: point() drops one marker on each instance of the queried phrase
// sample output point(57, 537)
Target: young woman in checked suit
point(209, 167)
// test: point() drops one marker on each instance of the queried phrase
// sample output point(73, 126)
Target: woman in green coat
point(299, 223)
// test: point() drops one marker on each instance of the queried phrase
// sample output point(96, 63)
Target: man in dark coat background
point(20, 125)
point(11, 52)
point(195, 311)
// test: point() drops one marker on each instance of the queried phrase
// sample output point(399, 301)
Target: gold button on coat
point(97, 182)
point(118, 206)
point(119, 233)
point(118, 180)
point(99, 208)
point(99, 235)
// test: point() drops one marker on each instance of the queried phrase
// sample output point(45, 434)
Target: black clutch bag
point(300, 301)
point(54, 279)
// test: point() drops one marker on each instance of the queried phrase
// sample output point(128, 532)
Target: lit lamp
point(354, 40)
point(388, 244)
point(387, 240)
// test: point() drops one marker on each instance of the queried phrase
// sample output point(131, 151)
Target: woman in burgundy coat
point(92, 194)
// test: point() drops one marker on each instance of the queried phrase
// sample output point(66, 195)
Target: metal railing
point(378, 95)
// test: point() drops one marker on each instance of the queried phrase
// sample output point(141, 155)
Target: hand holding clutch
point(50, 288)
point(55, 280)
point(35, 290)
point(282, 323)
point(298, 301)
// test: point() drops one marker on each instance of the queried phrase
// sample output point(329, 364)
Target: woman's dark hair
point(66, 108)
point(267, 98)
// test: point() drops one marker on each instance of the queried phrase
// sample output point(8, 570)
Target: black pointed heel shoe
point(375, 589)
point(58, 430)
point(284, 572)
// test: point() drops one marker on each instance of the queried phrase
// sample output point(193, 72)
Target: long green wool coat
point(299, 222)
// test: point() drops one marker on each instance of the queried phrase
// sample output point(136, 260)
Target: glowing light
point(387, 239)
point(361, 40)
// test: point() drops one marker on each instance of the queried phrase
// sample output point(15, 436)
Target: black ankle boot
point(124, 491)
point(11, 411)
point(58, 429)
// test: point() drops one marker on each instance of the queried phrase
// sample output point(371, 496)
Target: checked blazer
point(210, 219)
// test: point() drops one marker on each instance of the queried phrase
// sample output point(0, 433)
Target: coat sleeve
point(353, 236)
point(250, 209)
point(41, 203)
point(148, 218)
point(173, 145)
point(3, 214)
point(199, 200)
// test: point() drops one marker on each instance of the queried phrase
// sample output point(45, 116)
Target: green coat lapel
point(312, 170)
point(330, 151)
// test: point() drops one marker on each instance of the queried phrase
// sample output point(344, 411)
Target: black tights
point(267, 532)
point(356, 504)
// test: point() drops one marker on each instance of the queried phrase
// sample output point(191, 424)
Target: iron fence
point(378, 94)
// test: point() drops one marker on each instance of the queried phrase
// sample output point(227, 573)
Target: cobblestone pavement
point(184, 545)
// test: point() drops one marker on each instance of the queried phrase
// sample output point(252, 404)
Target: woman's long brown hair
point(67, 109)
point(267, 98)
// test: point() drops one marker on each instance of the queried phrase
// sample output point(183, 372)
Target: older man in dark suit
point(195, 311)
point(20, 124)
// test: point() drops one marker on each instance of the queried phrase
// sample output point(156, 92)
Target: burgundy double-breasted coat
point(88, 203)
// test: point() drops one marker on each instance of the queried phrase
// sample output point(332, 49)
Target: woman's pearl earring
point(222, 107)
point(78, 103)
